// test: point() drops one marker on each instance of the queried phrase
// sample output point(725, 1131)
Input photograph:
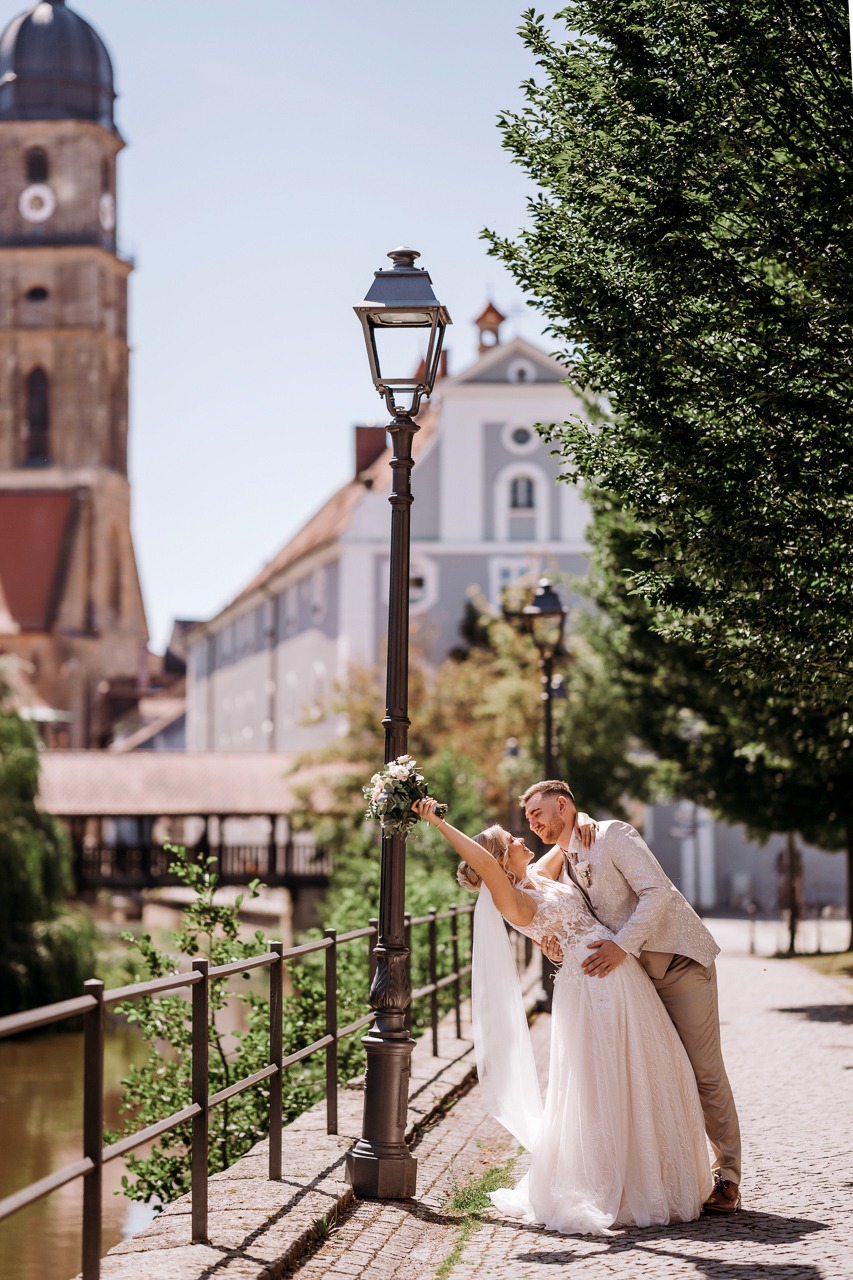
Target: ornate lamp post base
point(381, 1166)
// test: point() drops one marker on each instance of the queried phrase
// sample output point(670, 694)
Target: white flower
point(398, 771)
point(583, 873)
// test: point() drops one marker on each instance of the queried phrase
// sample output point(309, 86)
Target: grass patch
point(838, 964)
point(470, 1201)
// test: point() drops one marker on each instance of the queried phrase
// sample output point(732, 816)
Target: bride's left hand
point(587, 829)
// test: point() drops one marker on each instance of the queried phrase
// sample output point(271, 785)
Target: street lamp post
point(545, 618)
point(380, 1164)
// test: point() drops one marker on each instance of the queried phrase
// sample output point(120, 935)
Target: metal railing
point(147, 865)
point(94, 1003)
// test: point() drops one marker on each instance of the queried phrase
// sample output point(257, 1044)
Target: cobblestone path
point(788, 1041)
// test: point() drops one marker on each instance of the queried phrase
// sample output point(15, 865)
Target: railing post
point(457, 986)
point(200, 1138)
point(332, 1030)
point(276, 1054)
point(433, 978)
point(93, 1127)
point(371, 943)
point(407, 934)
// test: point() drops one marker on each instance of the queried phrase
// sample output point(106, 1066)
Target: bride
point(620, 1140)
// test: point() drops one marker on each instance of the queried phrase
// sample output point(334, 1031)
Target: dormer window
point(37, 170)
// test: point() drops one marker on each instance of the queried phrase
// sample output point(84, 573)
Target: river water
point(41, 1129)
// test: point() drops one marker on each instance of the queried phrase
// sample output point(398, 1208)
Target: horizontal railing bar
point(445, 982)
point(240, 966)
point(240, 1087)
point(370, 931)
point(43, 1016)
point(355, 1026)
point(306, 1052)
point(420, 992)
point(172, 982)
point(15, 1022)
point(134, 1140)
point(321, 945)
point(44, 1186)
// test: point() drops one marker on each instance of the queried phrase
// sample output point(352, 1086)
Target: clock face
point(107, 211)
point(37, 202)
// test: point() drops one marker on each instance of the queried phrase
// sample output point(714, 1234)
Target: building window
point(522, 494)
point(521, 370)
point(37, 294)
point(505, 572)
point(519, 438)
point(37, 165)
point(36, 448)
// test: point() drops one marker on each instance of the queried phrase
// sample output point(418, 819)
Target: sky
point(276, 152)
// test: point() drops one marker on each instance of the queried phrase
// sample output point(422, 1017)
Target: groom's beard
point(550, 832)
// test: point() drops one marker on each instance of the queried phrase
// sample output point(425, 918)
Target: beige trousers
point(689, 993)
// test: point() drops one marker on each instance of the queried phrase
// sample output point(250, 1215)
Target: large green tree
point(749, 752)
point(690, 243)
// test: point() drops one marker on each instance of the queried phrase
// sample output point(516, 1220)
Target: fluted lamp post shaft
point(380, 1164)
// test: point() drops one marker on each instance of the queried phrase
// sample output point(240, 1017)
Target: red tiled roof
point(34, 534)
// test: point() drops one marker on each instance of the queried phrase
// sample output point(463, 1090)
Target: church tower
point(74, 609)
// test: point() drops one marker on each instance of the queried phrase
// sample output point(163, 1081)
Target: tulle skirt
point(622, 1141)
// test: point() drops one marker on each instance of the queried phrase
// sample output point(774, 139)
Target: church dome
point(54, 66)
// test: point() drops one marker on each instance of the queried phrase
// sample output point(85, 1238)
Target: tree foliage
point(690, 243)
point(749, 752)
point(44, 954)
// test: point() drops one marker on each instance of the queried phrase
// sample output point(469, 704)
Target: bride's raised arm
point(514, 904)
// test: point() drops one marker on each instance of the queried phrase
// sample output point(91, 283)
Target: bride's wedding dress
point(621, 1140)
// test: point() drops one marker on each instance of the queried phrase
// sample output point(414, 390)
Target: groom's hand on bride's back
point(586, 829)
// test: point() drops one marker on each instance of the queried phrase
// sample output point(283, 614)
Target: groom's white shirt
point(633, 897)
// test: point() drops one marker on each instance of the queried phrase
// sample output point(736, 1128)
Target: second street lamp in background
point(400, 299)
point(545, 619)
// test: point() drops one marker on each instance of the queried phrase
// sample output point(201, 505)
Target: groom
point(628, 891)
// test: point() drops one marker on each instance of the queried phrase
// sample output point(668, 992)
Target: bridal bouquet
point(391, 793)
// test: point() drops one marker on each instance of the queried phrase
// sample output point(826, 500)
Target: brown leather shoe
point(725, 1198)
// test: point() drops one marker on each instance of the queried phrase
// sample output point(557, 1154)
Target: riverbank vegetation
point(46, 952)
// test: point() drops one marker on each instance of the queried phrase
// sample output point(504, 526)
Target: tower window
point(37, 294)
point(37, 452)
point(522, 494)
point(36, 165)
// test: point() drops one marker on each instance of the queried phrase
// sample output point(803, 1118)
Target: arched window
point(522, 494)
point(37, 450)
point(37, 165)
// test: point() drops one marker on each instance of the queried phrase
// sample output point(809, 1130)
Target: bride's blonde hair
point(496, 842)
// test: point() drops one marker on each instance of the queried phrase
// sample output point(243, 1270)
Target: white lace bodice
point(561, 912)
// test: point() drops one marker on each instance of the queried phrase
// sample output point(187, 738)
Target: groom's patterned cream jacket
point(634, 898)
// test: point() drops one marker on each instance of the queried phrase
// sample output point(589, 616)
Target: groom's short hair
point(554, 787)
